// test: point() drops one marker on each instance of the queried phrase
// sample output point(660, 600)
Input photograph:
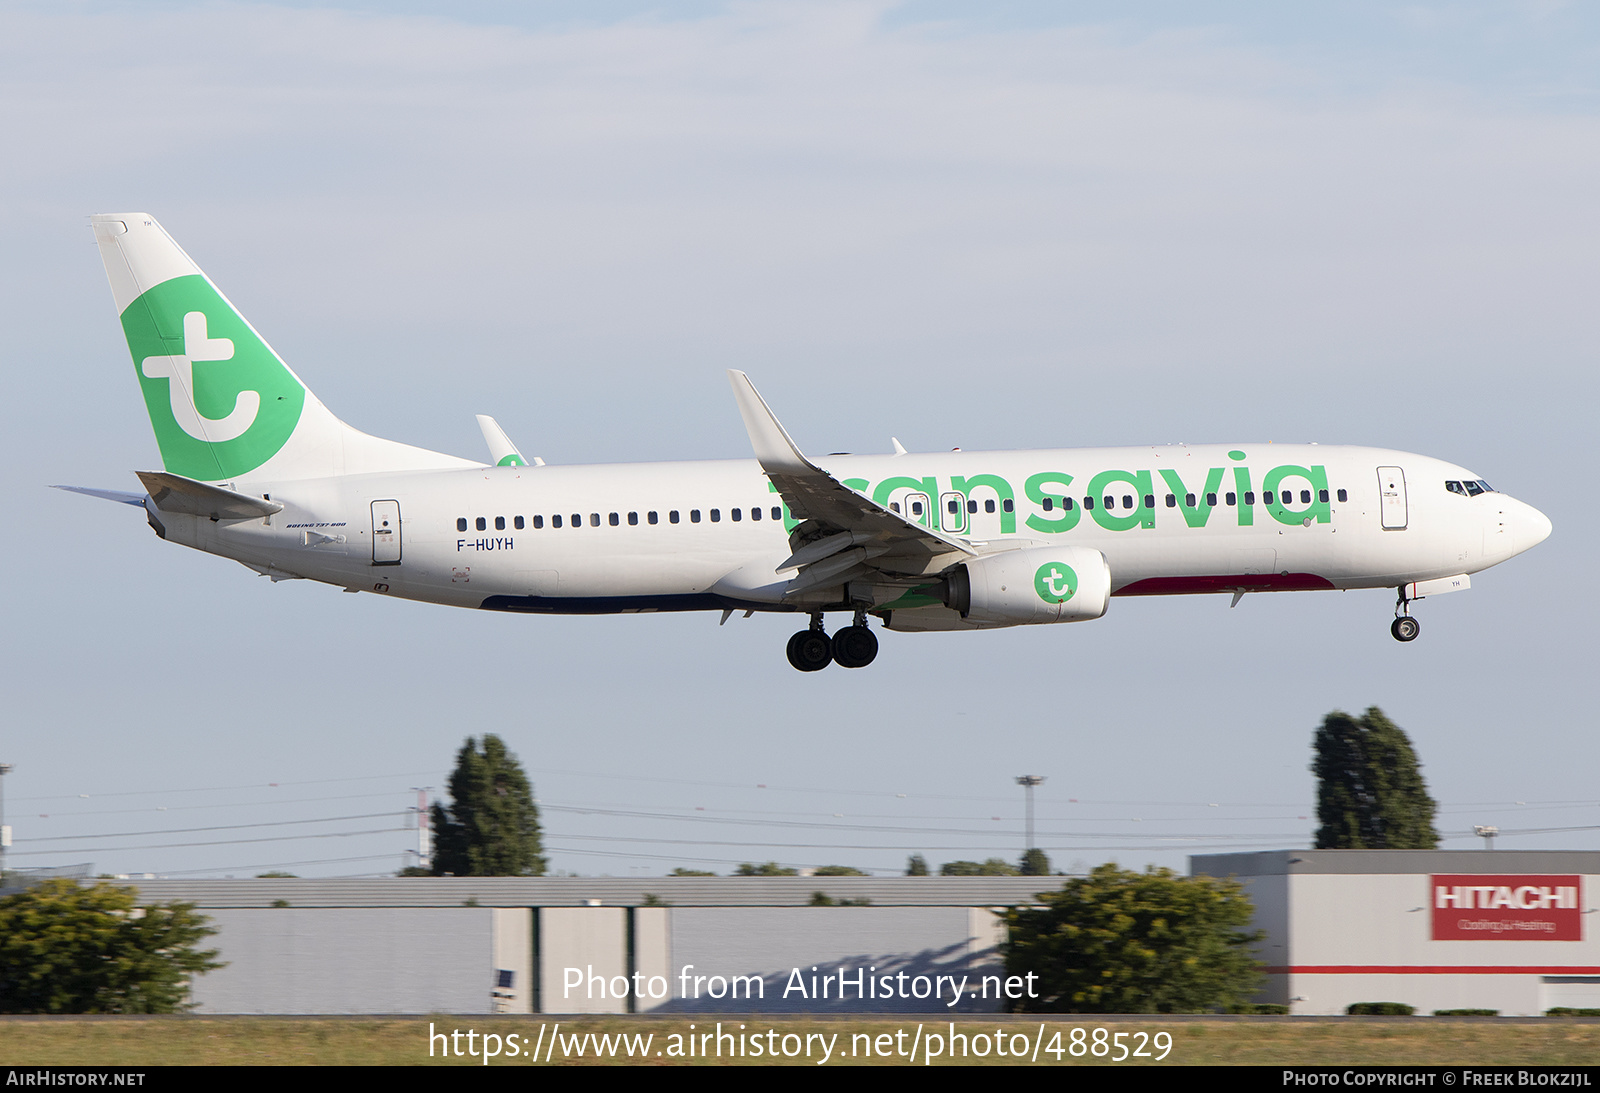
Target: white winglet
point(775, 451)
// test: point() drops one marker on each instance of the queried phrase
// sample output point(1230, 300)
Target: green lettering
point(1241, 482)
point(1002, 492)
point(1034, 488)
point(1316, 477)
point(1142, 515)
point(1197, 514)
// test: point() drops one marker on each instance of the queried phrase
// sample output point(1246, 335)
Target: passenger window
point(652, 517)
point(1008, 505)
point(673, 516)
point(1211, 499)
point(953, 505)
point(716, 516)
point(1088, 502)
point(594, 519)
point(1109, 502)
point(988, 505)
point(577, 519)
point(633, 519)
point(555, 521)
point(1232, 499)
point(538, 521)
point(1343, 496)
point(1049, 504)
point(1149, 500)
point(916, 508)
point(499, 523)
point(1188, 499)
point(755, 514)
point(1249, 497)
point(972, 506)
point(1322, 496)
point(735, 514)
point(894, 506)
point(482, 525)
point(1172, 500)
point(1127, 501)
point(1305, 497)
point(461, 524)
point(1066, 503)
point(694, 516)
point(518, 524)
point(777, 512)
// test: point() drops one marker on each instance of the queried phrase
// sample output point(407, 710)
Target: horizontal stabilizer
point(177, 494)
point(120, 496)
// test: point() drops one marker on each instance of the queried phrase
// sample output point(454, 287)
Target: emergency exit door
point(386, 533)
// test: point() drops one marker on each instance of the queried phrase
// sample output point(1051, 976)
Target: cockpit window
point(1486, 487)
point(1456, 487)
point(1474, 488)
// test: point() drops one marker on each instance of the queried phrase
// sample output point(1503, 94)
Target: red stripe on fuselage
point(1249, 582)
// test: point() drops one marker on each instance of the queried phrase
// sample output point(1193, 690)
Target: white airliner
point(256, 469)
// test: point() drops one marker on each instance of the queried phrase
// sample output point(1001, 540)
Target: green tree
point(680, 871)
point(1370, 792)
point(492, 826)
point(1035, 863)
point(989, 867)
point(770, 869)
point(67, 949)
point(916, 866)
point(1123, 942)
point(839, 871)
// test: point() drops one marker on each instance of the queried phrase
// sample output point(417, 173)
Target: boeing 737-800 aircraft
point(256, 469)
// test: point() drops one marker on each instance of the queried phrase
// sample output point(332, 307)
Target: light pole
point(5, 832)
point(1486, 833)
point(1027, 782)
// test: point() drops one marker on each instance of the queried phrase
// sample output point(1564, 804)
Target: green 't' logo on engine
point(1055, 582)
point(221, 402)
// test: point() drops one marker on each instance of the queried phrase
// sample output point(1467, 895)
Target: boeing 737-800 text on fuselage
point(258, 470)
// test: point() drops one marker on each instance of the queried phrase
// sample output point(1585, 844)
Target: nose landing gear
point(1404, 627)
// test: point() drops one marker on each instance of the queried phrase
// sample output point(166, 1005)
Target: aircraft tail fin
point(223, 405)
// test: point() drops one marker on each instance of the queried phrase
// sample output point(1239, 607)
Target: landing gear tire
point(810, 651)
point(854, 647)
point(1405, 628)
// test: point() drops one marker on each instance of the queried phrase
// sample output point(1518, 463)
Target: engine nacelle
point(1042, 584)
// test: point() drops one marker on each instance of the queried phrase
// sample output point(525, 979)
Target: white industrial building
point(1506, 930)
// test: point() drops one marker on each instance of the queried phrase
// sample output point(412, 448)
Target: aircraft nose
point(1530, 526)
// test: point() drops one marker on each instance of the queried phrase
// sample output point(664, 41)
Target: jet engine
point(1041, 584)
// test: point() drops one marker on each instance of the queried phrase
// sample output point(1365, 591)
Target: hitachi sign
point(1486, 897)
point(1482, 907)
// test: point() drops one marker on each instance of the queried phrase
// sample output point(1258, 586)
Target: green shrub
point(1380, 1009)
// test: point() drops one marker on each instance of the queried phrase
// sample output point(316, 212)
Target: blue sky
point(1372, 225)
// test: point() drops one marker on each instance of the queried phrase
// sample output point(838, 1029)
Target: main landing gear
point(1404, 627)
point(853, 647)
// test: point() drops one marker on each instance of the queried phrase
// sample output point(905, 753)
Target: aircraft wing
point(840, 528)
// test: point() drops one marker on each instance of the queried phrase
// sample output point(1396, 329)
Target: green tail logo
point(220, 400)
